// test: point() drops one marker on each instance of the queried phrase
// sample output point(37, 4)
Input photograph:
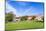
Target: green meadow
point(24, 25)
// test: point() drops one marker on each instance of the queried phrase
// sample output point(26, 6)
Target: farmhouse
point(29, 17)
point(18, 18)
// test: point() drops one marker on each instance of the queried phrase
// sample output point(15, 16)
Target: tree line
point(9, 17)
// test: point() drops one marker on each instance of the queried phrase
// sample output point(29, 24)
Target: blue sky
point(26, 8)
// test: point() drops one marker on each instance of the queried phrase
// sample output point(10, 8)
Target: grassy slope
point(23, 25)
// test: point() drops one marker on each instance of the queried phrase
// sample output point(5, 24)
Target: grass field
point(24, 25)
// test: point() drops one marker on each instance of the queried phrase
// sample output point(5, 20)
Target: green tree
point(43, 18)
point(33, 17)
point(9, 17)
point(23, 18)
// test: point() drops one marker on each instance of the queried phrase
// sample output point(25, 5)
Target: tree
point(33, 17)
point(43, 18)
point(23, 18)
point(9, 16)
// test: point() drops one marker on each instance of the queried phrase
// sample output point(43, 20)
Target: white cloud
point(30, 10)
point(9, 8)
